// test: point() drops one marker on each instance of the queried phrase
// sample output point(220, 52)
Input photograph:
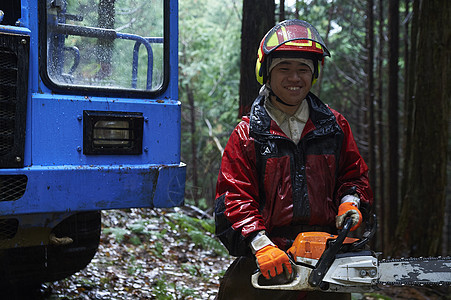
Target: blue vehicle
point(89, 121)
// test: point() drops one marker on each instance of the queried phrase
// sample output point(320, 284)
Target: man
point(291, 166)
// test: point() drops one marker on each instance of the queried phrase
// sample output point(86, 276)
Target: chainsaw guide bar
point(422, 271)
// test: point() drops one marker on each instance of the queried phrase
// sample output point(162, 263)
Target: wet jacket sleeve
point(353, 171)
point(237, 208)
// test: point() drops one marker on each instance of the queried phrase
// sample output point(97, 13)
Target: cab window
point(105, 44)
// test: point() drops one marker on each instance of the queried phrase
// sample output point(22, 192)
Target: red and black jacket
point(268, 182)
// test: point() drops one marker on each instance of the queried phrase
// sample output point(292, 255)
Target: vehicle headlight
point(112, 132)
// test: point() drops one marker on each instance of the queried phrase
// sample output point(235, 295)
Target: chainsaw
point(337, 263)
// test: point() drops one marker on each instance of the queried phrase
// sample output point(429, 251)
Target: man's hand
point(345, 210)
point(272, 261)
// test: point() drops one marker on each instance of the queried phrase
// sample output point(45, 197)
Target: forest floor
point(167, 254)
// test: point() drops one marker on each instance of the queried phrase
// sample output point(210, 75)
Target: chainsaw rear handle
point(300, 275)
point(370, 230)
point(328, 256)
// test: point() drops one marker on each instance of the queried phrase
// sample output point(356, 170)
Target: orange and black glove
point(349, 208)
point(272, 261)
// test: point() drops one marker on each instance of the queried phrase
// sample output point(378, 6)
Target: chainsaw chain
point(414, 283)
point(415, 259)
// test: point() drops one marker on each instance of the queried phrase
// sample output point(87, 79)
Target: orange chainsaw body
point(312, 244)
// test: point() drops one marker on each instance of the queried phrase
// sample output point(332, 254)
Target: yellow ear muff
point(315, 78)
point(259, 72)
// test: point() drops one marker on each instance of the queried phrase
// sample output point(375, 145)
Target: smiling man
point(291, 166)
point(291, 79)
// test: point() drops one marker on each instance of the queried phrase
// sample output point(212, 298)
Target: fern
point(205, 241)
point(139, 227)
point(199, 231)
point(118, 233)
point(208, 225)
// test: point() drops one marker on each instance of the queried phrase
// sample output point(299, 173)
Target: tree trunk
point(281, 10)
point(331, 14)
point(422, 215)
point(258, 18)
point(194, 171)
point(391, 206)
point(370, 91)
point(380, 193)
point(296, 10)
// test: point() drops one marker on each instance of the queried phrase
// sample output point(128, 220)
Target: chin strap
point(271, 93)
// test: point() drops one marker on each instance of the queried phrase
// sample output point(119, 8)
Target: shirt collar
point(301, 114)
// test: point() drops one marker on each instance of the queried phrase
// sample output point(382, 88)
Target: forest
point(389, 74)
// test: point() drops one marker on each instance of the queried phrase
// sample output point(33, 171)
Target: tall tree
point(330, 16)
point(370, 90)
point(258, 18)
point(296, 9)
point(391, 207)
point(380, 192)
point(282, 10)
point(422, 214)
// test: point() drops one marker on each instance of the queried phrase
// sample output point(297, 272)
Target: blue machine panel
point(81, 188)
point(61, 177)
point(57, 130)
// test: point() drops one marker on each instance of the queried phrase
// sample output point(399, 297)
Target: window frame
point(98, 90)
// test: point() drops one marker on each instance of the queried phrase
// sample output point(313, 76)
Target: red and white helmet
point(290, 38)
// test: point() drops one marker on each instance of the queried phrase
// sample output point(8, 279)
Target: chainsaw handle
point(328, 256)
point(370, 230)
point(298, 282)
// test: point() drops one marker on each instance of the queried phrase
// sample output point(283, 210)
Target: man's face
point(291, 81)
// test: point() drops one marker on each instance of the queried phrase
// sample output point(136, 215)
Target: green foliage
point(86, 283)
point(210, 68)
point(158, 249)
point(131, 233)
point(199, 231)
point(192, 270)
point(133, 267)
point(202, 240)
point(135, 240)
point(118, 233)
point(161, 289)
point(165, 290)
point(190, 223)
point(209, 55)
point(139, 227)
point(344, 72)
point(196, 230)
point(376, 296)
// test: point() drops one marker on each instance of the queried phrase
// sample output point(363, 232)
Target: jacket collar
point(260, 122)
